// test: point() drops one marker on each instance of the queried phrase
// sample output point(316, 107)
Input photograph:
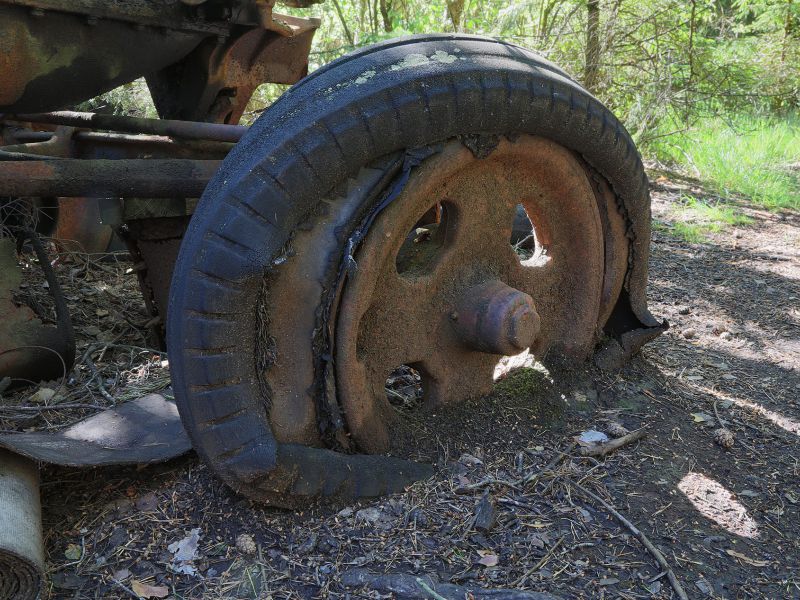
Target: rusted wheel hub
point(496, 319)
point(448, 294)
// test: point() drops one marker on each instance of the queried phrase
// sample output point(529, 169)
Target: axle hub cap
point(497, 319)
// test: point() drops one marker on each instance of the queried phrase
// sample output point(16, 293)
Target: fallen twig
point(548, 468)
point(673, 580)
point(517, 484)
point(471, 487)
point(429, 589)
point(616, 444)
point(539, 564)
point(125, 588)
point(716, 414)
point(98, 378)
point(40, 409)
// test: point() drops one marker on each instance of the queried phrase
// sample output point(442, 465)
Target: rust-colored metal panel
point(79, 226)
point(29, 348)
point(216, 80)
point(56, 53)
point(56, 59)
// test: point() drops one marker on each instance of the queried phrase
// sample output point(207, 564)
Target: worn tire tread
point(272, 179)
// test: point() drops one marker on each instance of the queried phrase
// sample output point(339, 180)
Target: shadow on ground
point(727, 520)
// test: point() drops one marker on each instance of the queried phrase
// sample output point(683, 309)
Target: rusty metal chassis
point(151, 170)
point(202, 62)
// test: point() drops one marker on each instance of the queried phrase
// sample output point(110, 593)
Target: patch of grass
point(714, 214)
point(690, 232)
point(751, 156)
point(695, 219)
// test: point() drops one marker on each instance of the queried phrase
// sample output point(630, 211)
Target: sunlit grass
point(695, 219)
point(748, 156)
point(716, 215)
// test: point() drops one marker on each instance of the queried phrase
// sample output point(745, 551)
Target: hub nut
point(495, 318)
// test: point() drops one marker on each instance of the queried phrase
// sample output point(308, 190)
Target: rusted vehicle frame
point(99, 178)
point(186, 130)
point(202, 60)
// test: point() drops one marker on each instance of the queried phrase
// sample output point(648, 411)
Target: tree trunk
point(347, 33)
point(692, 26)
point(387, 18)
point(788, 28)
point(591, 69)
point(455, 9)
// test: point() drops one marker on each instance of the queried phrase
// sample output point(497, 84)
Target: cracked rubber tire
point(293, 170)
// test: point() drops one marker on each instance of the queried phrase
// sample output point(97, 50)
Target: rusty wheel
point(364, 223)
point(451, 298)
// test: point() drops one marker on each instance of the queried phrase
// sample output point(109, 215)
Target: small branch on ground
point(483, 483)
point(539, 564)
point(522, 481)
point(723, 436)
point(616, 444)
point(673, 580)
point(98, 378)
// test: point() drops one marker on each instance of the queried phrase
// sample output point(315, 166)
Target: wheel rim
point(460, 297)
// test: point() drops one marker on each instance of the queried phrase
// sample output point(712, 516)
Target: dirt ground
point(507, 508)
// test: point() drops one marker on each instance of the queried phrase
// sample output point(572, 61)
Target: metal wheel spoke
point(482, 228)
point(396, 327)
point(537, 278)
point(443, 384)
point(541, 281)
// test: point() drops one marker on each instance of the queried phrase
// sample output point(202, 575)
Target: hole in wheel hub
point(404, 388)
point(423, 245)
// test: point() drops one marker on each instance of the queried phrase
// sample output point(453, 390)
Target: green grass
point(715, 215)
point(695, 219)
point(747, 156)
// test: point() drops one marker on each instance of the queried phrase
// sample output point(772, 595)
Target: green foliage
point(757, 157)
point(131, 99)
point(716, 215)
point(672, 70)
point(660, 60)
point(694, 219)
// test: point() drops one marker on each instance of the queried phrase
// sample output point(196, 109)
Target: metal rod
point(123, 178)
point(97, 144)
point(190, 130)
point(25, 135)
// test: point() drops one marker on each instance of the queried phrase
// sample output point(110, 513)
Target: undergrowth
point(754, 157)
point(693, 219)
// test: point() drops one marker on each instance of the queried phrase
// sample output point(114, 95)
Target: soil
point(506, 509)
point(116, 360)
